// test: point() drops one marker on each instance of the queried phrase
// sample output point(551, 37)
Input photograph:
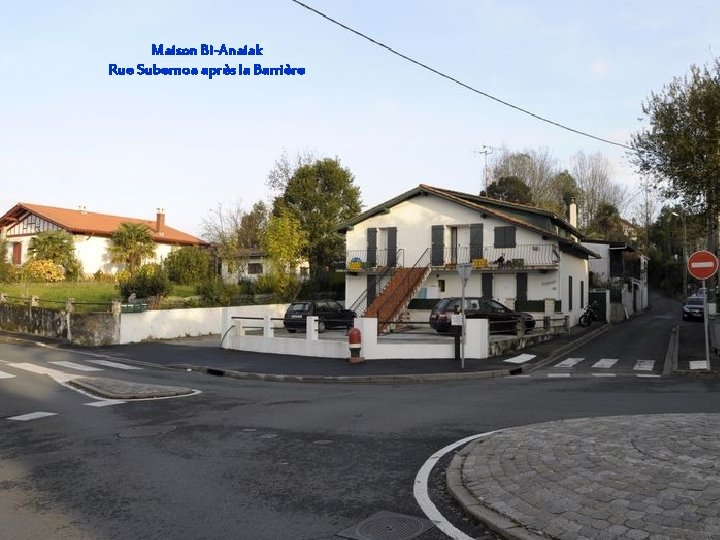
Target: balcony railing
point(521, 256)
point(369, 259)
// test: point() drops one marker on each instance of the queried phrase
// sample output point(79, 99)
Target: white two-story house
point(410, 247)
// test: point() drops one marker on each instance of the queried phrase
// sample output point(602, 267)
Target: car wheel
point(321, 327)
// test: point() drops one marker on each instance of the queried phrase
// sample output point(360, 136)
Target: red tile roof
point(86, 222)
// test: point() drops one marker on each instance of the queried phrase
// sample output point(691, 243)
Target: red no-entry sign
point(702, 264)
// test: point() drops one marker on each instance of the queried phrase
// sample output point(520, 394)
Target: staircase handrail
point(360, 304)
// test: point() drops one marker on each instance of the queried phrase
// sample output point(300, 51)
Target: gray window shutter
point(392, 247)
point(371, 248)
point(438, 245)
point(522, 287)
point(487, 283)
point(476, 241)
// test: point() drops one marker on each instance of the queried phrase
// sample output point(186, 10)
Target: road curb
point(671, 356)
point(498, 523)
point(349, 379)
point(117, 389)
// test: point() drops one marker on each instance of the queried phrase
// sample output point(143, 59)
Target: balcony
point(522, 256)
point(373, 260)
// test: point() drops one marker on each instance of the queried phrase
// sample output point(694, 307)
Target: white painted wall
point(477, 344)
point(578, 269)
point(175, 323)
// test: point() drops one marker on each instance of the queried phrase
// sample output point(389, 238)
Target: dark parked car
point(330, 315)
point(694, 308)
point(501, 319)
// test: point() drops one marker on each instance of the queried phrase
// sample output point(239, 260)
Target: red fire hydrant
point(355, 344)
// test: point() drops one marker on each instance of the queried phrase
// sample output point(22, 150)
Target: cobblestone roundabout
point(655, 477)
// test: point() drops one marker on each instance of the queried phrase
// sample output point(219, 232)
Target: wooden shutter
point(522, 287)
point(438, 245)
point(487, 286)
point(392, 246)
point(476, 241)
point(371, 248)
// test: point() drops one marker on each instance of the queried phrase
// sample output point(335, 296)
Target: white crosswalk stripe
point(605, 363)
point(4, 375)
point(108, 363)
point(569, 362)
point(558, 375)
point(105, 402)
point(520, 359)
point(31, 416)
point(73, 365)
point(604, 374)
point(644, 365)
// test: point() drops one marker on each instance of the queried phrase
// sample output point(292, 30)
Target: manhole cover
point(387, 526)
point(145, 431)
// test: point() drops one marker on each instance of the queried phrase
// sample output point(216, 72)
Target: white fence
point(236, 337)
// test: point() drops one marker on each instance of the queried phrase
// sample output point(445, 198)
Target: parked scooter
point(589, 315)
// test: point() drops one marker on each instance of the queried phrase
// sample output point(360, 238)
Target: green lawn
point(89, 296)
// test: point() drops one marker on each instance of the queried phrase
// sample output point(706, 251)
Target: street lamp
point(682, 216)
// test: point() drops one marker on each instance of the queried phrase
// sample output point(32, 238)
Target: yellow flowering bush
point(43, 270)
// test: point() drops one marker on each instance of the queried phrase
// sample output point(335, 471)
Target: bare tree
point(284, 168)
point(234, 231)
point(536, 168)
point(592, 174)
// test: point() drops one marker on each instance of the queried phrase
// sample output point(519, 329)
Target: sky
point(73, 134)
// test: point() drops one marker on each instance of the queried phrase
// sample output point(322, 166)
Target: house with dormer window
point(410, 248)
point(91, 233)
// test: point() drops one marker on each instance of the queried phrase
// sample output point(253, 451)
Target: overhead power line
point(459, 82)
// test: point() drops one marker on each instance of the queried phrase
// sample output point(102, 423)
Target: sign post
point(702, 265)
point(464, 270)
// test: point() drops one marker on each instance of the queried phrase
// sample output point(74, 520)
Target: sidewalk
point(629, 477)
point(203, 354)
point(691, 352)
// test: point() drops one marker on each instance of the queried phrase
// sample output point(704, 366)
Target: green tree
point(510, 189)
point(131, 244)
point(284, 241)
point(606, 224)
point(148, 281)
point(680, 149)
point(58, 247)
point(564, 190)
point(320, 196)
point(187, 265)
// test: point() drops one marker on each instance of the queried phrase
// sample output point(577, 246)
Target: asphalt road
point(262, 461)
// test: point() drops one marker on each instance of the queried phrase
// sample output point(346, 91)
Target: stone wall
point(86, 329)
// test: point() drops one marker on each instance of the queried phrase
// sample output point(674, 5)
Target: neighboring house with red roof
point(91, 232)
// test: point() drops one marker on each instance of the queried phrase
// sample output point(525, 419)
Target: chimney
point(572, 211)
point(160, 220)
point(82, 209)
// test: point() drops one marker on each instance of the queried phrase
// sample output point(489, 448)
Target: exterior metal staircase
point(395, 297)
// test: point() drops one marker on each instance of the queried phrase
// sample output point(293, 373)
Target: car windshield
point(299, 307)
point(695, 301)
point(496, 306)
